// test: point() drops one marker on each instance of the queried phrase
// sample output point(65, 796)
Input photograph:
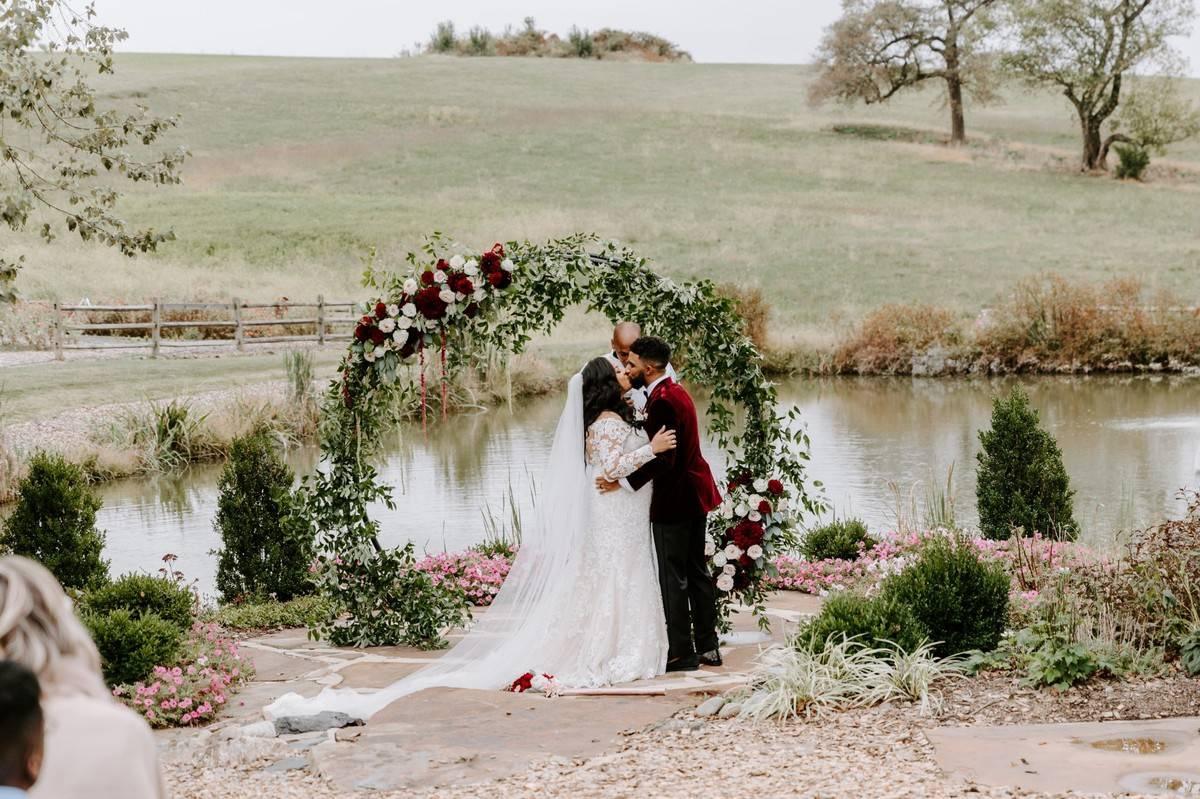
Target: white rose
point(457, 261)
point(387, 325)
point(393, 310)
point(403, 323)
point(719, 559)
point(471, 269)
point(369, 355)
point(409, 310)
point(755, 552)
point(725, 583)
point(729, 569)
point(480, 294)
point(760, 485)
point(732, 552)
point(506, 265)
point(754, 500)
point(410, 286)
point(446, 296)
point(781, 505)
point(741, 510)
point(710, 549)
point(439, 276)
point(755, 516)
point(727, 510)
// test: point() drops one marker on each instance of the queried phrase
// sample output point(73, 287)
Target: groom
point(683, 495)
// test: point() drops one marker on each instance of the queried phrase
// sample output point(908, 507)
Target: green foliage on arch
point(497, 302)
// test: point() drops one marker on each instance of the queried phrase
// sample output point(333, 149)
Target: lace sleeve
point(608, 443)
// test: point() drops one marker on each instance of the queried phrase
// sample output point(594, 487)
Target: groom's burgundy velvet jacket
point(684, 488)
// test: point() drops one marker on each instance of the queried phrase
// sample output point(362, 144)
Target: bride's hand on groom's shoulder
point(663, 441)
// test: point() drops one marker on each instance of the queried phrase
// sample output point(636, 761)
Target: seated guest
point(96, 748)
point(20, 730)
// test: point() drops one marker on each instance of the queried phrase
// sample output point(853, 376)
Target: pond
point(879, 446)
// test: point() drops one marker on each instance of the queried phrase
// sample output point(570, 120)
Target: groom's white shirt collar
point(650, 388)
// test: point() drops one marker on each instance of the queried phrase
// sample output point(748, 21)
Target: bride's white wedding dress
point(581, 602)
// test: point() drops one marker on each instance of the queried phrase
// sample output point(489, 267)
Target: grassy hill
point(720, 171)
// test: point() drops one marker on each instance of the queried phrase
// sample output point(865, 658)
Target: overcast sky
point(759, 31)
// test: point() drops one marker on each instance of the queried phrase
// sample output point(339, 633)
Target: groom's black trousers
point(689, 595)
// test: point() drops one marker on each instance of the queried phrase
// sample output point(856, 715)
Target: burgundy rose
point(489, 262)
point(377, 336)
point(427, 278)
point(361, 332)
point(380, 310)
point(429, 304)
point(745, 560)
point(498, 248)
point(500, 280)
point(775, 487)
point(472, 310)
point(764, 507)
point(443, 265)
point(462, 284)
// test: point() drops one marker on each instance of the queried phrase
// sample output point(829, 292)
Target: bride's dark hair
point(602, 392)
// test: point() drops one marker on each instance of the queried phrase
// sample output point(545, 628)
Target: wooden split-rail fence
point(162, 325)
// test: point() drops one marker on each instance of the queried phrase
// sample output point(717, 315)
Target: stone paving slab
point(1100, 757)
point(444, 736)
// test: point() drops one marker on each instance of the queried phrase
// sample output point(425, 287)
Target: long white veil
point(504, 643)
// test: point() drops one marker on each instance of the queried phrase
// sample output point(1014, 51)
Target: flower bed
point(193, 690)
point(479, 576)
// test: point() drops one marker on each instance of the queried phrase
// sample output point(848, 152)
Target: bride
point(582, 601)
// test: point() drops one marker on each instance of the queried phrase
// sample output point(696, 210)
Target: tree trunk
point(1092, 145)
point(958, 125)
point(954, 89)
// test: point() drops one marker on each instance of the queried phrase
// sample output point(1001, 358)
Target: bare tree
point(1086, 48)
point(881, 47)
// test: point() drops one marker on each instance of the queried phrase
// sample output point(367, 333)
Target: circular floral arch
point(450, 310)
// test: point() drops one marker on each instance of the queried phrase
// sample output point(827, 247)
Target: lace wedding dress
point(612, 626)
point(581, 601)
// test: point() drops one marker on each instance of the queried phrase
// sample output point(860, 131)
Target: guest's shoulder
point(98, 711)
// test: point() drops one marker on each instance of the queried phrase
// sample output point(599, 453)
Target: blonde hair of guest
point(39, 629)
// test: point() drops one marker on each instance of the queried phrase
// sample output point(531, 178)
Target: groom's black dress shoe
point(683, 664)
point(712, 658)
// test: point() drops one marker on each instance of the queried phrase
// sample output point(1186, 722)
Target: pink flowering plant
point(1031, 561)
point(193, 690)
point(478, 575)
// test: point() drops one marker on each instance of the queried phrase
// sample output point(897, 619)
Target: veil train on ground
point(498, 647)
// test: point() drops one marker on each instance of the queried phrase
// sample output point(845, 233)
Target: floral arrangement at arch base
point(753, 525)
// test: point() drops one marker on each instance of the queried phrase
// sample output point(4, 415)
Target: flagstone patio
point(445, 736)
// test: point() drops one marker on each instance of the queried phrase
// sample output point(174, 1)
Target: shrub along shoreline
point(1047, 325)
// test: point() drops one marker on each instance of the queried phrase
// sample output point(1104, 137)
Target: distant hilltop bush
point(606, 43)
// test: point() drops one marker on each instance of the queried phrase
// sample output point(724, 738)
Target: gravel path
point(875, 752)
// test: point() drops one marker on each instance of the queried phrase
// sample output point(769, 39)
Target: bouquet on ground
point(536, 683)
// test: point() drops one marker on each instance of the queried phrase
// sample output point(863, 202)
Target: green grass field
point(719, 171)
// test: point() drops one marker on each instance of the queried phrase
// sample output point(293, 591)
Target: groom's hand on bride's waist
point(605, 486)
